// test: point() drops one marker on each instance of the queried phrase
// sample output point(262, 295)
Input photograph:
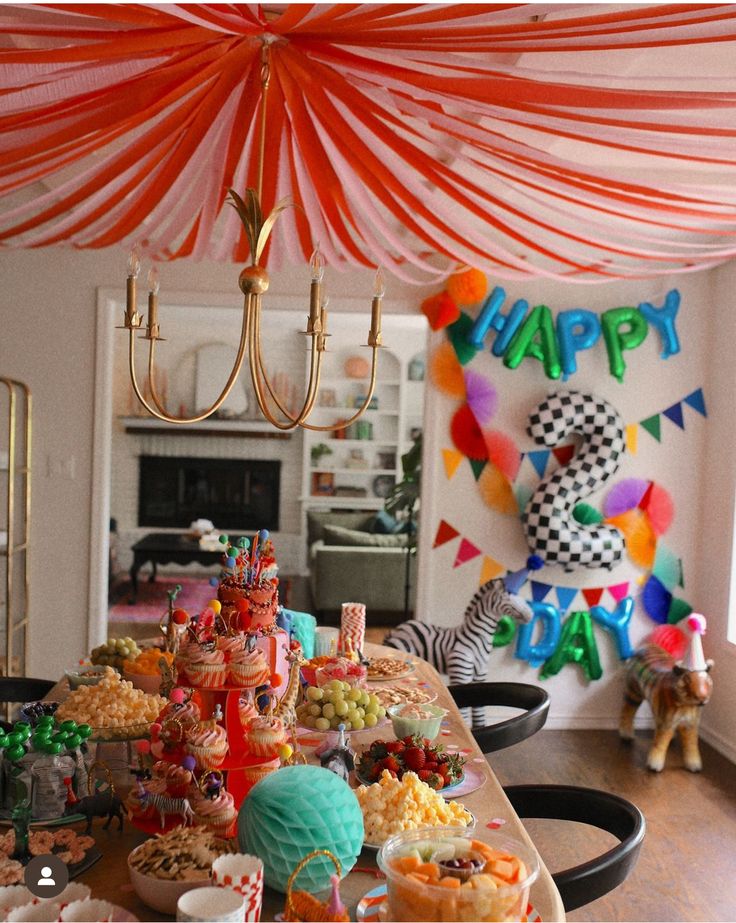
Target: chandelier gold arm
point(158, 410)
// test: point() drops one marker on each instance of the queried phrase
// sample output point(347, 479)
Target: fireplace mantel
point(150, 426)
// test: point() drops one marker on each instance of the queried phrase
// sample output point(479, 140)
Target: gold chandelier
point(253, 282)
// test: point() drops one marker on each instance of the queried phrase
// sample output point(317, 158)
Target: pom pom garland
point(468, 286)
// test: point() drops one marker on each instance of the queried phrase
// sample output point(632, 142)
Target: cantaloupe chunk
point(431, 869)
point(449, 882)
point(502, 868)
point(422, 879)
point(407, 864)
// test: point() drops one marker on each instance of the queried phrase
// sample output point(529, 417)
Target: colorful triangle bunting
point(619, 590)
point(490, 569)
point(674, 413)
point(653, 426)
point(451, 459)
point(564, 453)
point(539, 459)
point(478, 464)
point(466, 552)
point(445, 533)
point(565, 596)
point(632, 437)
point(539, 590)
point(593, 595)
point(697, 402)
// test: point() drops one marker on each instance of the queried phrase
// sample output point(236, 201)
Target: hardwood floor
point(687, 866)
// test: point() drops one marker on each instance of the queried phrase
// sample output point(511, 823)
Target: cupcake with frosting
point(216, 812)
point(247, 711)
point(206, 666)
point(230, 644)
point(265, 736)
point(186, 712)
point(176, 778)
point(254, 774)
point(207, 743)
point(249, 668)
point(137, 807)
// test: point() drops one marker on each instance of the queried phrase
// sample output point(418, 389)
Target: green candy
point(73, 742)
point(22, 728)
point(68, 725)
point(46, 721)
point(55, 747)
point(84, 731)
point(3, 742)
point(14, 738)
point(15, 753)
point(60, 736)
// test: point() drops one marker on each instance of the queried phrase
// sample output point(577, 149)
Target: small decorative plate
point(400, 674)
point(369, 907)
point(447, 788)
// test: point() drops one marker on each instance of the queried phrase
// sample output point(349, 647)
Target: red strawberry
point(414, 758)
point(394, 775)
point(391, 763)
point(431, 765)
point(425, 775)
point(427, 742)
point(410, 741)
point(395, 746)
point(436, 782)
point(374, 773)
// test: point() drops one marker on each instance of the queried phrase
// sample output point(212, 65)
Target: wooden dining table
point(109, 879)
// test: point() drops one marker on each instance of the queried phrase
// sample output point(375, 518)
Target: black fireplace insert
point(235, 494)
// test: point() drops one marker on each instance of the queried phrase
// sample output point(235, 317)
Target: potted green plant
point(403, 501)
point(318, 452)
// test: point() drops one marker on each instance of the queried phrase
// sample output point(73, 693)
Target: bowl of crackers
point(167, 866)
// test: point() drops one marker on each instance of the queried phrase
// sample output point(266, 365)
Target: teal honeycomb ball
point(293, 811)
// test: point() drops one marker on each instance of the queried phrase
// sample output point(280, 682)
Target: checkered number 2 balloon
point(552, 531)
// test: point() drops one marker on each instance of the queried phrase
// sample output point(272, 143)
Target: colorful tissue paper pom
point(467, 286)
point(641, 542)
point(481, 396)
point(660, 509)
point(496, 491)
point(667, 568)
point(440, 310)
point(626, 495)
point(466, 434)
point(446, 372)
point(656, 599)
point(670, 639)
point(586, 514)
point(679, 609)
point(503, 452)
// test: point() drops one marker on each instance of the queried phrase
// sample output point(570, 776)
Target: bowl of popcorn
point(113, 708)
point(457, 875)
point(392, 806)
point(165, 867)
point(410, 719)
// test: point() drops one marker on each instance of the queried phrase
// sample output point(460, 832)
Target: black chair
point(590, 880)
point(533, 699)
point(23, 688)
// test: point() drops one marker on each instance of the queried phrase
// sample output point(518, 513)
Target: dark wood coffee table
point(166, 548)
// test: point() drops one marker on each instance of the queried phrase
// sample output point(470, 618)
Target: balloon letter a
point(524, 343)
point(577, 645)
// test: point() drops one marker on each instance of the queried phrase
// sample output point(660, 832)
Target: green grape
point(328, 710)
point(346, 687)
point(361, 713)
point(336, 684)
point(371, 709)
point(341, 708)
point(348, 725)
point(322, 724)
point(337, 699)
point(381, 711)
point(370, 720)
point(365, 698)
point(310, 721)
point(315, 693)
point(335, 722)
point(358, 724)
point(315, 709)
point(354, 695)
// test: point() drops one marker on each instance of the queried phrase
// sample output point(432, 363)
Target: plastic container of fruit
point(453, 874)
point(32, 711)
point(405, 726)
point(343, 669)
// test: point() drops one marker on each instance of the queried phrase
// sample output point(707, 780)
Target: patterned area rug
point(153, 602)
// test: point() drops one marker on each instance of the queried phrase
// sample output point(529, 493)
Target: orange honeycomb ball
point(467, 286)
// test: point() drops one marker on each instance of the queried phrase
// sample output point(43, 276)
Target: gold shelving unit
point(15, 517)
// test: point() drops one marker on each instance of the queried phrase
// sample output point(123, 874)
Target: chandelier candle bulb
point(134, 267)
point(153, 289)
point(379, 288)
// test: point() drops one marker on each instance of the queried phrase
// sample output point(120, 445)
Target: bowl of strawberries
point(434, 766)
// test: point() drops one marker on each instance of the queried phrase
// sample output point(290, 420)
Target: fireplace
point(235, 494)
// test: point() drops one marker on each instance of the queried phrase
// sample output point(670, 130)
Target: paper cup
point(74, 891)
point(206, 905)
point(352, 627)
point(88, 912)
point(42, 912)
point(325, 640)
point(244, 874)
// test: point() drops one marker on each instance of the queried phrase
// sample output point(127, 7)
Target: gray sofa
point(350, 563)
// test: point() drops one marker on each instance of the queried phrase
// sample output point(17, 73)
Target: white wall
point(715, 580)
point(650, 384)
point(47, 339)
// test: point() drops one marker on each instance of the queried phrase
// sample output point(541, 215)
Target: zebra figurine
point(462, 651)
point(165, 804)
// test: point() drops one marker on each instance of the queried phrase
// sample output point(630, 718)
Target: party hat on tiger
point(694, 658)
point(515, 580)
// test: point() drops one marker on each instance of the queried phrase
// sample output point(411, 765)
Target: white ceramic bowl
point(424, 727)
point(84, 676)
point(160, 894)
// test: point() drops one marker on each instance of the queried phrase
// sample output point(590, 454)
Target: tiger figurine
point(675, 693)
